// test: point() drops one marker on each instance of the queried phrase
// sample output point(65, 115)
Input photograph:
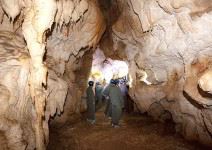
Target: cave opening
point(74, 132)
point(104, 69)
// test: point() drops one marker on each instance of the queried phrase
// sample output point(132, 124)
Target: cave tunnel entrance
point(104, 70)
point(137, 131)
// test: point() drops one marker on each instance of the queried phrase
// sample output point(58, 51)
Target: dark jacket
point(106, 90)
point(90, 97)
point(116, 96)
point(98, 91)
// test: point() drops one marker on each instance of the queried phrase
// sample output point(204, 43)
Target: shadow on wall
point(74, 103)
point(85, 68)
point(203, 93)
point(191, 100)
point(111, 11)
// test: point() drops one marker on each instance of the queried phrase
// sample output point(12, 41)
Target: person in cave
point(105, 93)
point(124, 92)
point(98, 95)
point(117, 103)
point(90, 103)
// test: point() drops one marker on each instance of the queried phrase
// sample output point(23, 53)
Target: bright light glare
point(109, 69)
point(106, 69)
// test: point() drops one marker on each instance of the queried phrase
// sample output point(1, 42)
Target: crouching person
point(90, 103)
point(117, 103)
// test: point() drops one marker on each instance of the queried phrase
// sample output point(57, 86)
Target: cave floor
point(137, 132)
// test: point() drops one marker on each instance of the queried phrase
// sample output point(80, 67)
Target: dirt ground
point(137, 132)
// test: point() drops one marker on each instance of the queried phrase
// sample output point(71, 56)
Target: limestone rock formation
point(18, 116)
point(34, 84)
point(169, 42)
point(46, 49)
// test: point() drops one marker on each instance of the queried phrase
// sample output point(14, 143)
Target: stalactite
point(39, 17)
point(36, 17)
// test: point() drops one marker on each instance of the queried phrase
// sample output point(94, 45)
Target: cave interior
point(50, 49)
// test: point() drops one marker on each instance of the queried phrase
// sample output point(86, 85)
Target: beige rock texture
point(37, 78)
point(170, 42)
point(18, 115)
point(46, 49)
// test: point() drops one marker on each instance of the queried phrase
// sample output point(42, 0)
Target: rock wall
point(37, 77)
point(167, 44)
point(70, 50)
point(18, 114)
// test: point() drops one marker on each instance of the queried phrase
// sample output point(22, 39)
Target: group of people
point(111, 94)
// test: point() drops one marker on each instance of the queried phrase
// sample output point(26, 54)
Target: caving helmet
point(112, 81)
point(116, 81)
point(90, 83)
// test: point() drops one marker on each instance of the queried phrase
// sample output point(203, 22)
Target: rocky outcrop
point(40, 77)
point(167, 44)
point(70, 50)
point(18, 115)
point(168, 47)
